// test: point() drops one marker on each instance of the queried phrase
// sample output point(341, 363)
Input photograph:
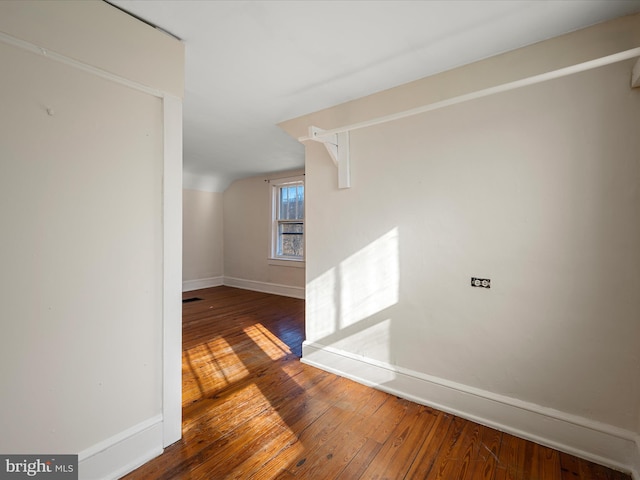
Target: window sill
point(280, 262)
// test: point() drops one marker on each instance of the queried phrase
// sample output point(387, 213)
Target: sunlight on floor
point(277, 445)
point(267, 341)
point(211, 367)
point(243, 428)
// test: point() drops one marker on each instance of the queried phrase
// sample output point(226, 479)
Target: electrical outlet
point(480, 282)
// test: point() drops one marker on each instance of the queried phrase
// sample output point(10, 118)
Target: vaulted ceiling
point(253, 64)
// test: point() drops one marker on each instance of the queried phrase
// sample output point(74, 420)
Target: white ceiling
point(253, 64)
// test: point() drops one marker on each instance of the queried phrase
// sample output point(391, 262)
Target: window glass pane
point(299, 202)
point(291, 239)
point(282, 207)
point(300, 194)
point(291, 203)
point(291, 214)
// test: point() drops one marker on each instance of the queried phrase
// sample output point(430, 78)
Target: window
point(288, 220)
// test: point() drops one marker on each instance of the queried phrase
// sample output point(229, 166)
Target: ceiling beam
point(505, 87)
point(336, 140)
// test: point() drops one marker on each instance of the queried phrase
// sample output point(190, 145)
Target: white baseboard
point(189, 285)
point(122, 453)
point(265, 287)
point(635, 466)
point(594, 441)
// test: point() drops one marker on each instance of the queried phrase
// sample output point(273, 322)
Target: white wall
point(537, 189)
point(202, 239)
point(247, 218)
point(81, 172)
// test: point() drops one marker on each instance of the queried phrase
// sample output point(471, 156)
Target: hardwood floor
point(251, 410)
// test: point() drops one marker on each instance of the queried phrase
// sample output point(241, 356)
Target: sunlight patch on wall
point(321, 305)
point(361, 286)
point(370, 279)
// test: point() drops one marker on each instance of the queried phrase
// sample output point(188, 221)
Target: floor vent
point(189, 300)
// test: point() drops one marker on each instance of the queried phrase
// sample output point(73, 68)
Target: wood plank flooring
point(251, 410)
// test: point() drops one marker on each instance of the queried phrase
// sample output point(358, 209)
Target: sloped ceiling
point(253, 64)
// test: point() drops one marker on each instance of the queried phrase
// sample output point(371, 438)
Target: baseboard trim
point(594, 441)
point(189, 285)
point(122, 453)
point(635, 467)
point(265, 287)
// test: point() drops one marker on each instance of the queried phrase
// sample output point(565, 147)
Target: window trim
point(273, 258)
